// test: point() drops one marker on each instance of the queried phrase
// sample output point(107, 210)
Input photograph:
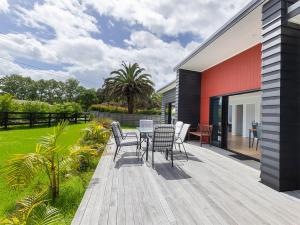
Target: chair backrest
point(205, 129)
point(254, 124)
point(178, 127)
point(258, 131)
point(254, 127)
point(146, 123)
point(116, 133)
point(163, 137)
point(184, 130)
point(120, 129)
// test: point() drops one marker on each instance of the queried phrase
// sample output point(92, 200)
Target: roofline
point(244, 12)
point(166, 86)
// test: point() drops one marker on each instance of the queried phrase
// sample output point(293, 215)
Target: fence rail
point(35, 118)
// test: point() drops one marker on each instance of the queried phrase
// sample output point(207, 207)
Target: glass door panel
point(219, 119)
point(216, 120)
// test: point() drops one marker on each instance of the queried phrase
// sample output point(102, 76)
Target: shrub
point(108, 108)
point(120, 109)
point(95, 135)
point(34, 106)
point(68, 107)
point(6, 102)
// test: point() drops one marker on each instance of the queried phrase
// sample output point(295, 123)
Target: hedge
point(8, 104)
point(120, 109)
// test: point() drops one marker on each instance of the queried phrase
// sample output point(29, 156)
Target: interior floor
point(240, 145)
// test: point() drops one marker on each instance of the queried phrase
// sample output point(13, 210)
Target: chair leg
point(200, 141)
point(257, 144)
point(187, 158)
point(152, 158)
point(172, 157)
point(116, 152)
point(179, 147)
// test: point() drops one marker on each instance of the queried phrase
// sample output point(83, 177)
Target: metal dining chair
point(162, 140)
point(121, 142)
point(257, 135)
point(178, 127)
point(181, 137)
point(125, 135)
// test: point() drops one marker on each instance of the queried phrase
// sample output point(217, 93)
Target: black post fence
point(37, 118)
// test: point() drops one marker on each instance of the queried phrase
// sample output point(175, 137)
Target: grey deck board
point(207, 189)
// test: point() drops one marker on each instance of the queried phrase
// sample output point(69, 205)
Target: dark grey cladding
point(188, 96)
point(167, 97)
point(280, 163)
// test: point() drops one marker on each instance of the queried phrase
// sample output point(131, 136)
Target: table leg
point(249, 138)
point(140, 140)
point(147, 148)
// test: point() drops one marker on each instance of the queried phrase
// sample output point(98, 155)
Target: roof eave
point(245, 11)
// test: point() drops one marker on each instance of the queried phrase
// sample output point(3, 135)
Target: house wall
point(280, 162)
point(187, 96)
point(167, 97)
point(237, 74)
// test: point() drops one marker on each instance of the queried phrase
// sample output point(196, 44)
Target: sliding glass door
point(219, 120)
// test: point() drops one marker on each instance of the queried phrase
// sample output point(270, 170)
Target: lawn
point(18, 141)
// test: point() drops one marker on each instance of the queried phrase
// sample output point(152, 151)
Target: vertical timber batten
point(280, 98)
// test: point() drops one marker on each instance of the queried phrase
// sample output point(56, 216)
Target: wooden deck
point(207, 189)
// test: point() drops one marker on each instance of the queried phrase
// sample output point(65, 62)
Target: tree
point(21, 169)
point(22, 88)
point(100, 95)
point(71, 89)
point(87, 97)
point(34, 210)
point(129, 82)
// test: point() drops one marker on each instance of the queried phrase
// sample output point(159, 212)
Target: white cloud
point(66, 18)
point(4, 6)
point(26, 46)
point(90, 60)
point(8, 66)
point(171, 17)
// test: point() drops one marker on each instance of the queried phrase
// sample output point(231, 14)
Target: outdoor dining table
point(145, 132)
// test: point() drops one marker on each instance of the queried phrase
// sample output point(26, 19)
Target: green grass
point(18, 141)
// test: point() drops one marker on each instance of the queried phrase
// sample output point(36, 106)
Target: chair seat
point(130, 134)
point(198, 133)
point(178, 141)
point(129, 143)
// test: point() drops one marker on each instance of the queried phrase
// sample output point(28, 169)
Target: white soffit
point(294, 13)
point(244, 34)
point(168, 87)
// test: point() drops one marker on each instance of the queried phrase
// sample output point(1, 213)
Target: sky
point(87, 39)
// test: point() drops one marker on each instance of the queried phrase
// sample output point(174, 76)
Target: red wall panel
point(237, 74)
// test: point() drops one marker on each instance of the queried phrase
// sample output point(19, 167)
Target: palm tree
point(34, 210)
point(129, 82)
point(21, 169)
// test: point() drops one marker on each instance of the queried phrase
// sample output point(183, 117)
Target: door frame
point(224, 122)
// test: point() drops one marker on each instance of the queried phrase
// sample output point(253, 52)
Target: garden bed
point(72, 188)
